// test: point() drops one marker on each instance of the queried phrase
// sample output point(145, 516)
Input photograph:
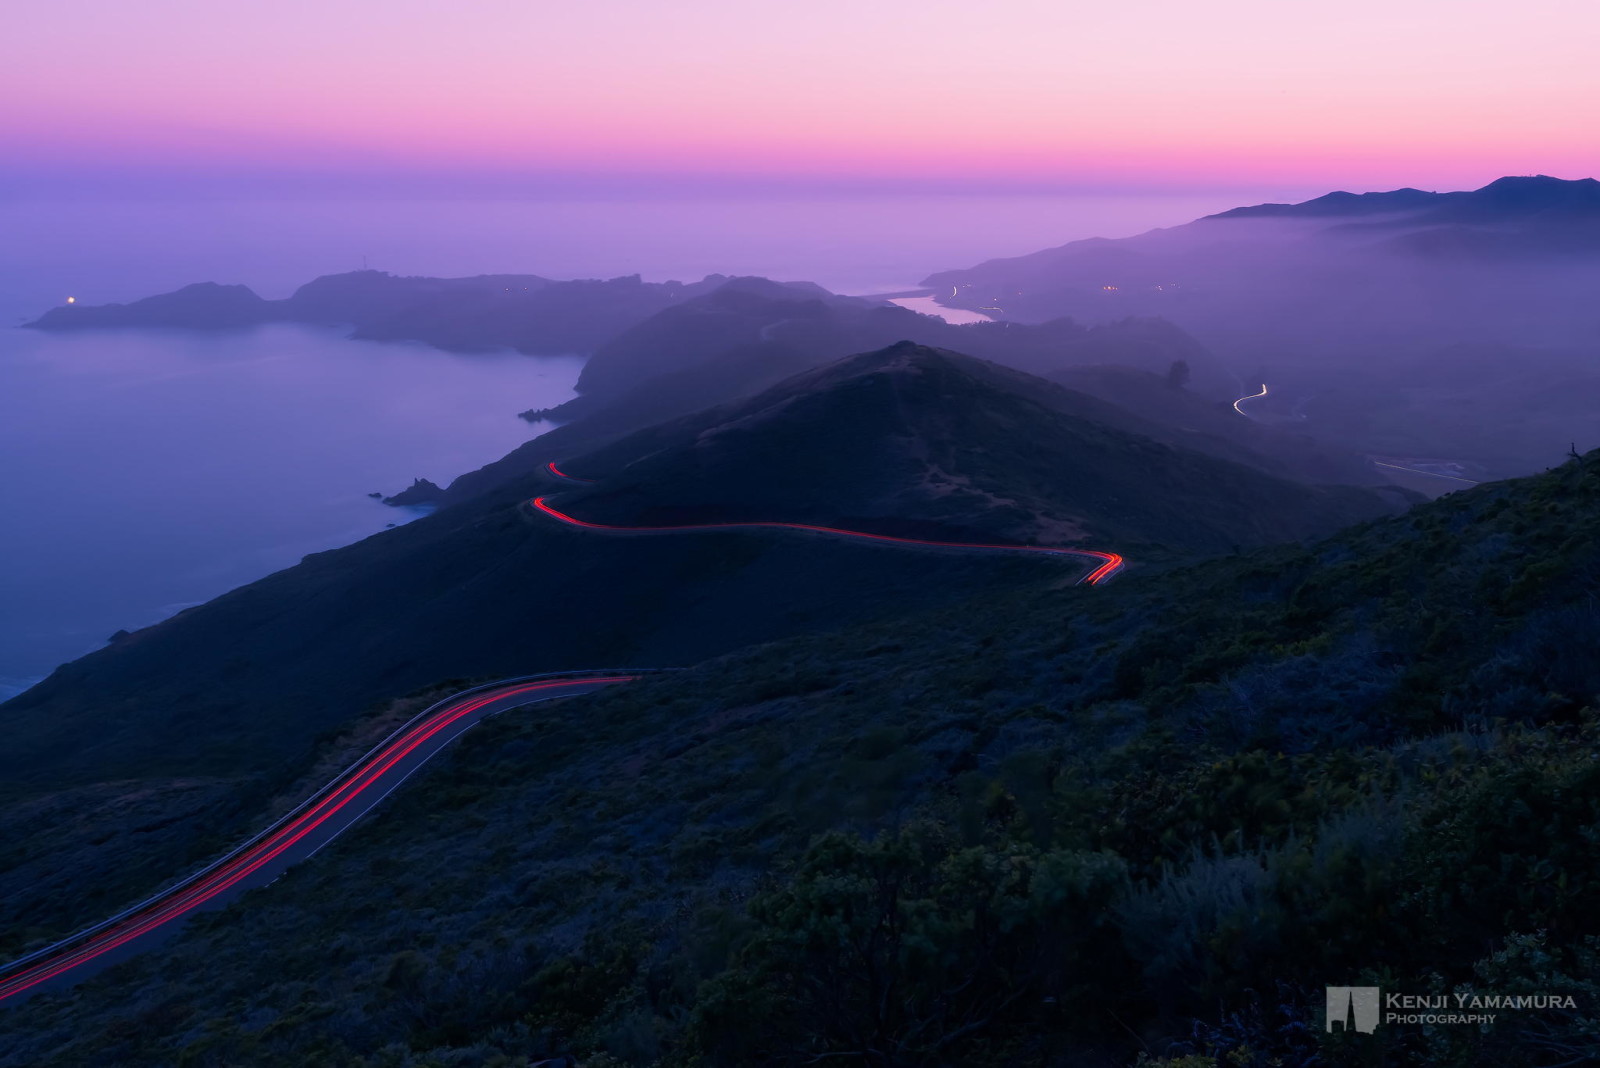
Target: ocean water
point(144, 471)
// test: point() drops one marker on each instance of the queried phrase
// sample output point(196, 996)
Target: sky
point(937, 94)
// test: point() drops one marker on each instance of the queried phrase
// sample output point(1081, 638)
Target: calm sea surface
point(143, 471)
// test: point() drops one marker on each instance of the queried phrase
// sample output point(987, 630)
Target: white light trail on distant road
point(1430, 474)
point(1252, 396)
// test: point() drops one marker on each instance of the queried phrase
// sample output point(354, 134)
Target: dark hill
point(751, 334)
point(912, 433)
point(819, 327)
point(1338, 205)
point(743, 313)
point(203, 306)
point(148, 755)
point(1164, 267)
point(524, 312)
point(1501, 200)
point(1156, 820)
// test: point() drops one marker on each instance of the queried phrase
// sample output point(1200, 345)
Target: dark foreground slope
point(142, 758)
point(1056, 827)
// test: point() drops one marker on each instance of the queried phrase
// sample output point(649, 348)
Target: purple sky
point(1039, 93)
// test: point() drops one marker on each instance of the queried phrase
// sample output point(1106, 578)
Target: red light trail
point(1110, 563)
point(357, 783)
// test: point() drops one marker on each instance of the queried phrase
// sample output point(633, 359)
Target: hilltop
point(750, 334)
point(1528, 199)
point(923, 435)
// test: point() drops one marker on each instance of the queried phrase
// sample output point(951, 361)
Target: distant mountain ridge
point(526, 312)
point(1514, 204)
point(1504, 197)
point(1330, 299)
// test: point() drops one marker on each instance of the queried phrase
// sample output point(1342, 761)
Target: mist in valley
point(1460, 328)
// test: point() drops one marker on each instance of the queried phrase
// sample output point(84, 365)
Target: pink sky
point(1121, 93)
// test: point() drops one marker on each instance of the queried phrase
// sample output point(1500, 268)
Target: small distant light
point(72, 300)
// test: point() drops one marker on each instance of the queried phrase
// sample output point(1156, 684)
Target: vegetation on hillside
point(1051, 826)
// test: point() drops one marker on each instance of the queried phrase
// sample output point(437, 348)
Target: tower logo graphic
point(1353, 1008)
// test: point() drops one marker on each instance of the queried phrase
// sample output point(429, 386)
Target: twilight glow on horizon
point(1139, 94)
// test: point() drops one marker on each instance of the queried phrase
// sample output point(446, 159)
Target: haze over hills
point(1179, 415)
point(1510, 218)
point(1535, 216)
point(658, 351)
point(1344, 302)
point(1376, 268)
point(1351, 306)
point(817, 326)
point(639, 330)
point(751, 333)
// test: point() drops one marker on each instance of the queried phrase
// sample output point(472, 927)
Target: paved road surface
point(292, 839)
point(1107, 564)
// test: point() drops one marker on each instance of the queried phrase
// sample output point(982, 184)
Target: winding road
point(296, 836)
point(1108, 563)
point(355, 791)
point(1251, 396)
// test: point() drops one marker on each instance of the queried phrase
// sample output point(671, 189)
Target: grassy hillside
point(1062, 827)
